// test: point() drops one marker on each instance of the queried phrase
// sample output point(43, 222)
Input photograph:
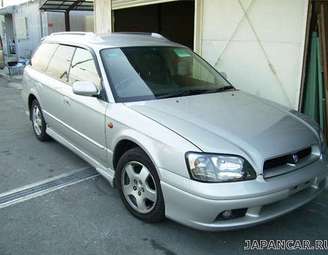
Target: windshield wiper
point(193, 92)
point(181, 93)
point(224, 88)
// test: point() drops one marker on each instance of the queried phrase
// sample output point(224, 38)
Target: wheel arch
point(31, 98)
point(31, 95)
point(121, 147)
point(128, 142)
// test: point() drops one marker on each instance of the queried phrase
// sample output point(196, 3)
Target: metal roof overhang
point(66, 5)
point(7, 10)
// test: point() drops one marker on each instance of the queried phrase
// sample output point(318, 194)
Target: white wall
point(14, 2)
point(30, 10)
point(264, 58)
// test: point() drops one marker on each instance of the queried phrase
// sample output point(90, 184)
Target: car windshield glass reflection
point(144, 73)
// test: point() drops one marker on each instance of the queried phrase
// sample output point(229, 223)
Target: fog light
point(232, 214)
point(226, 214)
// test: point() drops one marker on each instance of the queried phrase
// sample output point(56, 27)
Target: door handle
point(67, 101)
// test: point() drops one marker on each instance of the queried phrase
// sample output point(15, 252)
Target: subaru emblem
point(295, 158)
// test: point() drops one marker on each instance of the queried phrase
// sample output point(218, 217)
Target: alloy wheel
point(139, 187)
point(37, 120)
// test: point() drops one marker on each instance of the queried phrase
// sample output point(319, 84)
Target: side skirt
point(107, 173)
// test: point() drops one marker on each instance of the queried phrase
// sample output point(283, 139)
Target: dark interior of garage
point(174, 20)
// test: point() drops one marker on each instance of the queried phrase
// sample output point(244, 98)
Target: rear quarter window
point(43, 55)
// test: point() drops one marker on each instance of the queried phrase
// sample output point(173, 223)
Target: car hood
point(232, 122)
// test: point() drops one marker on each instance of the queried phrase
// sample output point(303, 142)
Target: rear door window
point(59, 65)
point(42, 56)
point(83, 68)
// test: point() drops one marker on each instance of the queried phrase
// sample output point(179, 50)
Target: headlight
point(218, 168)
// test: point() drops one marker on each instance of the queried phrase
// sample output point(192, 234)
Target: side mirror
point(85, 88)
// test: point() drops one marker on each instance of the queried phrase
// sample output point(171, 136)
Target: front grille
point(292, 158)
point(289, 162)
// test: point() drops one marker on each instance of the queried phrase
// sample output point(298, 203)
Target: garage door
point(172, 19)
point(120, 4)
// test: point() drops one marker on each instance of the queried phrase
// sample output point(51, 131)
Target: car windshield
point(148, 73)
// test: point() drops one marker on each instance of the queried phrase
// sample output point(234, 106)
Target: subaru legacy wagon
point(170, 132)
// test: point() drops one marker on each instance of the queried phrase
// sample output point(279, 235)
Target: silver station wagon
point(170, 132)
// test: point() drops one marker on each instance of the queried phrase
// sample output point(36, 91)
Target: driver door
point(86, 115)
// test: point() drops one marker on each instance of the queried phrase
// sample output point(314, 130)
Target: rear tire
point(139, 186)
point(38, 123)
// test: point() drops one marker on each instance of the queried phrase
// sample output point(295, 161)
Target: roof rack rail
point(155, 35)
point(72, 33)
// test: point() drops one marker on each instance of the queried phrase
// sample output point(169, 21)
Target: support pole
point(103, 16)
point(67, 22)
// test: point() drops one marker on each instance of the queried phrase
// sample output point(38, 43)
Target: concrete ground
point(89, 218)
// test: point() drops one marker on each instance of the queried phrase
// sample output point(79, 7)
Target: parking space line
point(46, 186)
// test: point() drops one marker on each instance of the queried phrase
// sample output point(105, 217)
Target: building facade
point(22, 26)
point(259, 44)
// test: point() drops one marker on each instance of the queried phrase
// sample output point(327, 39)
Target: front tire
point(139, 186)
point(38, 123)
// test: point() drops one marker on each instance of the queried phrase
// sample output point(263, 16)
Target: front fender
point(165, 148)
point(145, 143)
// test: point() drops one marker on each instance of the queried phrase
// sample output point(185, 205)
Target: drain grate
point(46, 186)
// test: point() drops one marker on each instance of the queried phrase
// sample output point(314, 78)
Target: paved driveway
point(83, 214)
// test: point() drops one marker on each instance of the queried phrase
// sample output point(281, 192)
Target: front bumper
point(198, 204)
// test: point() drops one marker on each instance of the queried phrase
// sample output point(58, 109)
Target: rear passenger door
point(86, 115)
point(54, 87)
point(37, 79)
